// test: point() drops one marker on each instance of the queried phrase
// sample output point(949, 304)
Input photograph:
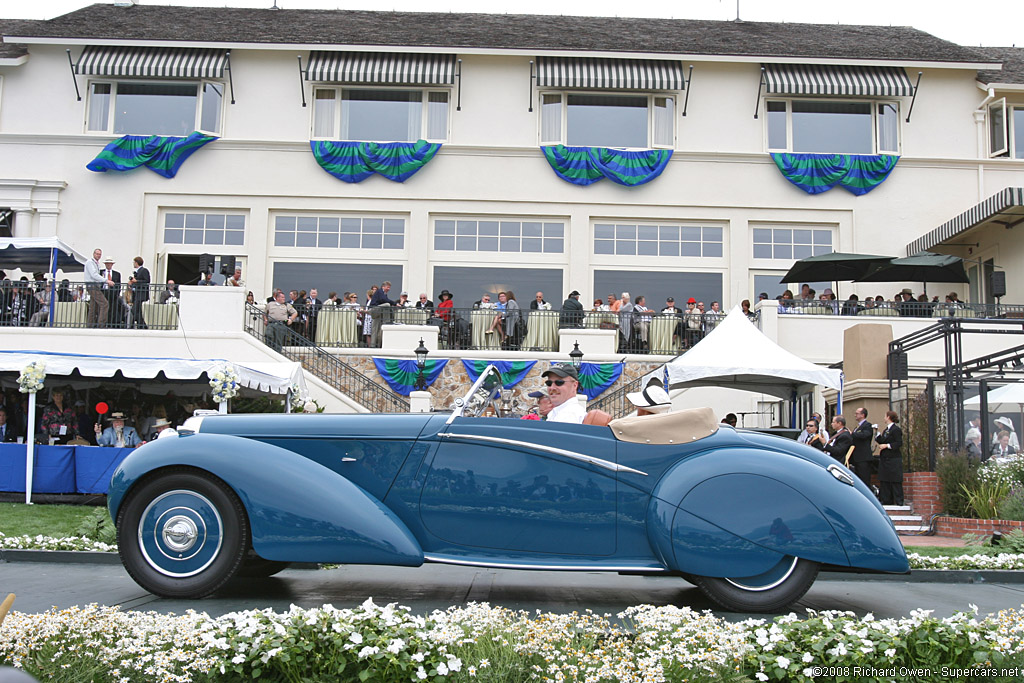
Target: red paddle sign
point(102, 408)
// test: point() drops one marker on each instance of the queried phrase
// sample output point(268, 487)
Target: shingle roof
point(502, 31)
point(13, 27)
point(1013, 65)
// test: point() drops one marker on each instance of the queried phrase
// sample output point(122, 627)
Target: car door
point(522, 486)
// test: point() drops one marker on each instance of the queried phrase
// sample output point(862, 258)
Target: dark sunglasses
point(556, 382)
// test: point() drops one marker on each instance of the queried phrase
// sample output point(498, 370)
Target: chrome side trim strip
point(606, 464)
point(548, 567)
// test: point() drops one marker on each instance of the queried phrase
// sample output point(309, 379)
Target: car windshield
point(486, 391)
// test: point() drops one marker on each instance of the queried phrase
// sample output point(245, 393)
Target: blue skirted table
point(60, 469)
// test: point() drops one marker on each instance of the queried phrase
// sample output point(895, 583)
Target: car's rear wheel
point(182, 534)
point(770, 591)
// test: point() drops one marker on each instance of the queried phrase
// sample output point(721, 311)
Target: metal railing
point(903, 309)
point(324, 365)
point(464, 329)
point(78, 305)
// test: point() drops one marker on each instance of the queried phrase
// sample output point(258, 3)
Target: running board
point(447, 559)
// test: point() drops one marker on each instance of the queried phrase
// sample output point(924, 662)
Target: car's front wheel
point(182, 534)
point(771, 591)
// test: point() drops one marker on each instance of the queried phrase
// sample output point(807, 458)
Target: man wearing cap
point(163, 429)
point(572, 311)
point(907, 305)
point(96, 281)
point(544, 404)
point(117, 434)
point(651, 400)
point(563, 382)
point(403, 301)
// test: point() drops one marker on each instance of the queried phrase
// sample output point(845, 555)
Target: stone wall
point(453, 382)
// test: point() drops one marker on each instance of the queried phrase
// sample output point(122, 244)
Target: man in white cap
point(563, 382)
point(651, 400)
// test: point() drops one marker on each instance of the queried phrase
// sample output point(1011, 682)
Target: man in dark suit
point(862, 436)
point(313, 306)
point(115, 317)
point(140, 292)
point(841, 440)
point(572, 311)
point(8, 433)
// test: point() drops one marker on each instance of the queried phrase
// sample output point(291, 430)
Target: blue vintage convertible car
point(749, 518)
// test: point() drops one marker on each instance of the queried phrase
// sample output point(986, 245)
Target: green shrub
point(985, 498)
point(98, 527)
point(957, 476)
point(1012, 542)
point(1012, 506)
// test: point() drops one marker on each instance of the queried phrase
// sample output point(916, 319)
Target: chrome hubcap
point(180, 533)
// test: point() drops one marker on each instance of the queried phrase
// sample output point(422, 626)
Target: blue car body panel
point(398, 489)
point(299, 511)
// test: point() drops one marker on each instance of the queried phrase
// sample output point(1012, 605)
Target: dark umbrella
point(924, 267)
point(835, 266)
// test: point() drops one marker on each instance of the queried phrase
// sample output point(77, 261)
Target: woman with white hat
point(651, 400)
point(1005, 424)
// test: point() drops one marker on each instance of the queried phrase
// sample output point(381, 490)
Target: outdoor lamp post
point(421, 352)
point(576, 356)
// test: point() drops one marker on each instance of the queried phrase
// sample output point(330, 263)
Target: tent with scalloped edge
point(737, 355)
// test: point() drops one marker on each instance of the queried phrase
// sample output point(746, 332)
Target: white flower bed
point(1000, 561)
point(50, 543)
point(384, 644)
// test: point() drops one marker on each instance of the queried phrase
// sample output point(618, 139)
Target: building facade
point(682, 130)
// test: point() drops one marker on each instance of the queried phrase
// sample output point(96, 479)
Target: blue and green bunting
point(816, 173)
point(596, 377)
point(354, 162)
point(401, 374)
point(587, 165)
point(512, 372)
point(161, 154)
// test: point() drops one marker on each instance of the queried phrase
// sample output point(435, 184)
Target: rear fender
point(299, 510)
point(736, 512)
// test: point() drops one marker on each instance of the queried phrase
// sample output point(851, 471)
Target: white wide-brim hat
point(652, 398)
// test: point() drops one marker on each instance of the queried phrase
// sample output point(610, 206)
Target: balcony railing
point(905, 309)
point(77, 305)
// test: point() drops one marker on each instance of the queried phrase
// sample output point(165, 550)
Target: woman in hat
point(444, 306)
point(1005, 424)
point(652, 400)
point(117, 434)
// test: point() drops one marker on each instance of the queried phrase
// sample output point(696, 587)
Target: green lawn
point(18, 519)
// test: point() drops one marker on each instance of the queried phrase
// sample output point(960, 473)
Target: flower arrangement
point(32, 377)
point(225, 384)
point(376, 644)
point(298, 399)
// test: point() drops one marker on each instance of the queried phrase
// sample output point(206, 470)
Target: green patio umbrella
point(924, 267)
point(835, 266)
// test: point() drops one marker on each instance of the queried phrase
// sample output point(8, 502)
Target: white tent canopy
point(1005, 399)
point(737, 355)
point(269, 377)
point(32, 254)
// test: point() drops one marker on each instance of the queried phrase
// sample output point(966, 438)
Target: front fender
point(299, 510)
point(738, 511)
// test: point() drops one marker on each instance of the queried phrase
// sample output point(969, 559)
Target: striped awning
point(821, 79)
point(381, 68)
point(152, 62)
point(1003, 208)
point(609, 74)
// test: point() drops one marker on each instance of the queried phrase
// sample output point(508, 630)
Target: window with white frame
point(155, 107)
point(380, 114)
point(1005, 130)
point(339, 232)
point(204, 228)
point(791, 243)
point(607, 120)
point(649, 239)
point(816, 126)
point(508, 235)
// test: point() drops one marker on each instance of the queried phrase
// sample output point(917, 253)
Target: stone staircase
point(906, 522)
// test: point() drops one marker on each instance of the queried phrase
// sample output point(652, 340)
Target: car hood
point(262, 426)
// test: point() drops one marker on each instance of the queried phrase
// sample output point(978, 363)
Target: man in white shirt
point(95, 279)
point(563, 382)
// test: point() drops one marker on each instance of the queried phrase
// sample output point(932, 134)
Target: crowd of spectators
point(905, 303)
